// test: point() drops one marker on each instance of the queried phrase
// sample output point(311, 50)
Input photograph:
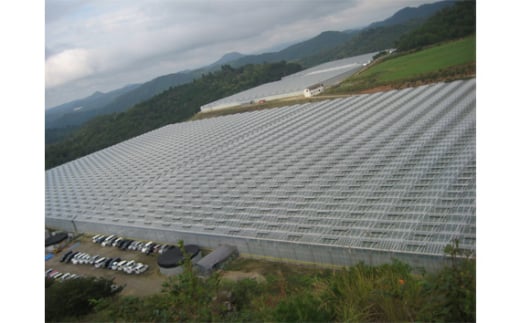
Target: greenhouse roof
point(391, 171)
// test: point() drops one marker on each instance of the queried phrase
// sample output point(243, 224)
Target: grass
point(444, 61)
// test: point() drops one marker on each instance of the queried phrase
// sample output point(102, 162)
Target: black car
point(107, 262)
point(150, 248)
point(125, 245)
point(70, 256)
point(65, 256)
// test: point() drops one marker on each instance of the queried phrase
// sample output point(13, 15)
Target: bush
point(301, 308)
point(74, 297)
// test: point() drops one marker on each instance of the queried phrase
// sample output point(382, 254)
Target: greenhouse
point(327, 74)
point(365, 178)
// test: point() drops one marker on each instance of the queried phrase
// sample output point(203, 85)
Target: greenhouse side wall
point(262, 248)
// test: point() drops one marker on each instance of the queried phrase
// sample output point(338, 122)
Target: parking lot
point(146, 283)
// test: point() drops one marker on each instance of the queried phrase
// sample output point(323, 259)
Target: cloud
point(67, 66)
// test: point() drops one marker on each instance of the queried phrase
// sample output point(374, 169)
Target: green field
point(437, 62)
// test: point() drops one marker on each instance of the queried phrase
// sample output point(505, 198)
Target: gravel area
point(147, 283)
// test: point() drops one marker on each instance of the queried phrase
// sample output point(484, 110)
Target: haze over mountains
point(326, 46)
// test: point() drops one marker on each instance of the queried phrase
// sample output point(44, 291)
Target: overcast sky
point(102, 45)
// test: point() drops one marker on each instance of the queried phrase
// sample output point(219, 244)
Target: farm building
point(366, 178)
point(216, 259)
point(56, 241)
point(327, 74)
point(313, 90)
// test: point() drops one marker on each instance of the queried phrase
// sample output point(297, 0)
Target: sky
point(102, 45)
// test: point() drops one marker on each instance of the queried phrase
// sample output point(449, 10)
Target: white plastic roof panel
point(391, 172)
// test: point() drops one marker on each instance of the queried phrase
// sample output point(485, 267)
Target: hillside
point(450, 23)
point(407, 14)
point(443, 62)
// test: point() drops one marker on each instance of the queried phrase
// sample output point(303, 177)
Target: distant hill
point(78, 112)
point(422, 12)
point(325, 40)
point(379, 35)
point(452, 22)
point(73, 113)
point(229, 57)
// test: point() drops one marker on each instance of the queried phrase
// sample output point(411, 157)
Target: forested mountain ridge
point(59, 116)
point(449, 23)
point(404, 15)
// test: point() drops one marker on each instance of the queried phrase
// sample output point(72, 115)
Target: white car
point(108, 240)
point(121, 264)
point(141, 269)
point(98, 263)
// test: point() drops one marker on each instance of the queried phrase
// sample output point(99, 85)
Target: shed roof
point(217, 256)
point(57, 238)
point(173, 256)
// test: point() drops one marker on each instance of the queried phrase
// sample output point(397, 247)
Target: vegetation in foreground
point(291, 293)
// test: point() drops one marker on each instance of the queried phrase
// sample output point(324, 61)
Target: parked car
point(100, 239)
point(120, 265)
point(108, 240)
point(48, 272)
point(144, 249)
point(127, 268)
point(65, 255)
point(98, 263)
point(141, 269)
point(127, 244)
point(70, 256)
point(117, 241)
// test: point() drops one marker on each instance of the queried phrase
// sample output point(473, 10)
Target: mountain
point(404, 15)
point(228, 58)
point(325, 40)
point(77, 112)
point(380, 35)
point(71, 113)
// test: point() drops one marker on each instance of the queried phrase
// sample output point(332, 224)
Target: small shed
point(216, 259)
point(170, 261)
point(313, 90)
point(56, 241)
